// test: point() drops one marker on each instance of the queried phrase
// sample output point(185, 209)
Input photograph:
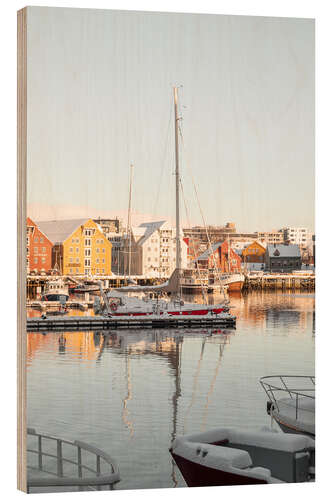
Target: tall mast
point(178, 252)
point(129, 236)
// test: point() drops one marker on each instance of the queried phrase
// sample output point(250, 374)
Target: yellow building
point(80, 247)
point(255, 252)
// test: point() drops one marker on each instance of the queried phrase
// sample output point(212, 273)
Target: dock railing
point(56, 477)
point(277, 385)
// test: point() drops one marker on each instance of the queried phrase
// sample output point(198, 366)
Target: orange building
point(39, 249)
point(80, 247)
point(222, 256)
point(255, 252)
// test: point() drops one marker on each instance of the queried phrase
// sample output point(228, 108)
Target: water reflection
point(131, 392)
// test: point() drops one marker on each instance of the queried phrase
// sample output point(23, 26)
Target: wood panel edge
point(21, 246)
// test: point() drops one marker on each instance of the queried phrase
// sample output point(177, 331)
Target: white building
point(158, 245)
point(152, 252)
point(296, 236)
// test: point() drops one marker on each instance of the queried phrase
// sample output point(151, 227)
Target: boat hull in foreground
point(226, 456)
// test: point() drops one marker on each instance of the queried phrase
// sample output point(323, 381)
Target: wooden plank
point(21, 247)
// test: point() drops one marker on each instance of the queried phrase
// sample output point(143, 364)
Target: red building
point(39, 249)
point(226, 260)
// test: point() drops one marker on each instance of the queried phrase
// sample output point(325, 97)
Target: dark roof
point(58, 231)
point(283, 251)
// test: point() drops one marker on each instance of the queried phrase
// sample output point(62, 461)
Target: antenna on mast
point(129, 233)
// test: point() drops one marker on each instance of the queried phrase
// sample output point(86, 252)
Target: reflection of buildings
point(283, 309)
point(86, 345)
point(282, 318)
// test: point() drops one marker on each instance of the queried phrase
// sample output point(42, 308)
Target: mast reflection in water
point(131, 392)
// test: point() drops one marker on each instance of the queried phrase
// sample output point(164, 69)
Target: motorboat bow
point(228, 456)
point(291, 402)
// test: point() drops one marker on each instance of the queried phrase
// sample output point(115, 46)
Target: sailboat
point(124, 305)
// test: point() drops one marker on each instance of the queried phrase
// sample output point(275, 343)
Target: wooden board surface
point(21, 245)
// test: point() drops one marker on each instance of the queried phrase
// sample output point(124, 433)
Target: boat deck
point(295, 414)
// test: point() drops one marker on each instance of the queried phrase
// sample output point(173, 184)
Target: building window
point(97, 250)
point(43, 260)
point(73, 241)
point(71, 271)
point(87, 242)
point(43, 250)
point(70, 260)
point(35, 260)
point(77, 270)
point(87, 262)
point(97, 271)
point(71, 249)
point(97, 261)
point(87, 252)
point(35, 250)
point(103, 271)
point(77, 260)
point(36, 240)
point(103, 250)
point(41, 239)
point(103, 261)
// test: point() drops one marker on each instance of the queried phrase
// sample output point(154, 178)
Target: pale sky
point(100, 97)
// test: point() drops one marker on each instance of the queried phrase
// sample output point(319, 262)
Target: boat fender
point(43, 316)
point(114, 306)
point(269, 407)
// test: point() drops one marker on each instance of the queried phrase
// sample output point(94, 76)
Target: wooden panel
point(21, 246)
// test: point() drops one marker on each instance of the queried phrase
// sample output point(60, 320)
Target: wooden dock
point(280, 282)
point(79, 323)
point(50, 305)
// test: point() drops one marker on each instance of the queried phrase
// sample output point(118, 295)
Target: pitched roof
point(58, 231)
point(151, 227)
point(207, 253)
point(283, 251)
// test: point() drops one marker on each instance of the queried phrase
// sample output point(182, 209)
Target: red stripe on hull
point(194, 312)
point(199, 475)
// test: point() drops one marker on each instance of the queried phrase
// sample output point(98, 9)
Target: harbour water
point(130, 392)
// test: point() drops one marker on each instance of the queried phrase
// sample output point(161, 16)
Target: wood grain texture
point(21, 246)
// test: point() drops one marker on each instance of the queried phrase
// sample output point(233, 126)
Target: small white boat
point(56, 290)
point(291, 402)
point(227, 456)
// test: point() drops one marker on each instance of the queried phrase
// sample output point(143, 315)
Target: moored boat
point(234, 281)
point(291, 402)
point(227, 456)
point(118, 304)
point(123, 305)
point(56, 290)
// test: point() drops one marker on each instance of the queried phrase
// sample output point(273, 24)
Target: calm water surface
point(131, 392)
